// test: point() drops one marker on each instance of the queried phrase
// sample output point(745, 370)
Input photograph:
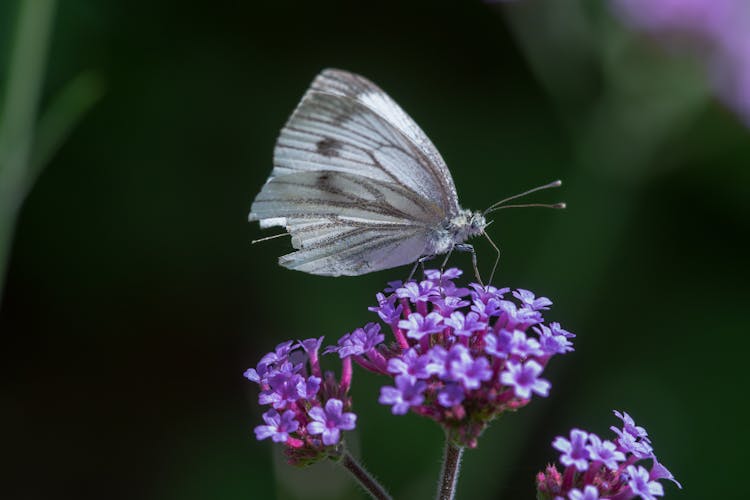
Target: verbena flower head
point(459, 355)
point(598, 469)
point(308, 409)
point(716, 29)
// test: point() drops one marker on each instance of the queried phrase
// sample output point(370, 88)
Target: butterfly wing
point(355, 181)
point(343, 224)
point(429, 178)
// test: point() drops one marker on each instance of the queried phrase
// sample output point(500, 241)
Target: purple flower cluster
point(461, 356)
point(718, 29)
point(597, 469)
point(307, 408)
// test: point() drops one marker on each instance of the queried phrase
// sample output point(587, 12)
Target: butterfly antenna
point(557, 206)
point(269, 238)
point(554, 184)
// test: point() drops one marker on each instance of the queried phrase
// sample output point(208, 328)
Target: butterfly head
point(477, 223)
point(466, 224)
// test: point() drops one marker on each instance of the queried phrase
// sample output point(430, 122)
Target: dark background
point(134, 301)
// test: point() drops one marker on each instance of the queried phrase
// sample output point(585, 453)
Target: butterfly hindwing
point(358, 251)
point(345, 224)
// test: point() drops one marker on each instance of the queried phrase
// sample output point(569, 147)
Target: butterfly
point(359, 186)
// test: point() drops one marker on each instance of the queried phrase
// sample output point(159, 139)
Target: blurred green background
point(133, 300)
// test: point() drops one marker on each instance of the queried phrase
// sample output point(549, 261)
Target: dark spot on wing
point(343, 110)
point(323, 182)
point(328, 147)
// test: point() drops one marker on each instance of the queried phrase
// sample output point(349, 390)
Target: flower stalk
point(452, 455)
point(364, 478)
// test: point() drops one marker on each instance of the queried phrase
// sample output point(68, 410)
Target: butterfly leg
point(442, 269)
point(445, 261)
point(465, 247)
point(420, 261)
point(497, 257)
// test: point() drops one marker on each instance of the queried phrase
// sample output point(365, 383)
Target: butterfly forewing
point(334, 133)
point(362, 90)
point(355, 181)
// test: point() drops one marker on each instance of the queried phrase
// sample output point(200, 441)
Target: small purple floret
point(658, 471)
point(421, 292)
point(254, 375)
point(558, 330)
point(417, 326)
point(498, 345)
point(589, 493)
point(632, 438)
point(629, 425)
point(411, 364)
point(472, 372)
point(487, 293)
point(574, 451)
point(447, 304)
point(311, 345)
point(389, 312)
point(523, 346)
point(455, 361)
point(359, 342)
point(280, 353)
point(270, 363)
point(605, 452)
point(529, 299)
point(284, 387)
point(451, 395)
point(407, 393)
point(641, 484)
point(310, 389)
point(551, 343)
point(447, 275)
point(277, 426)
point(512, 317)
point(523, 379)
point(330, 421)
point(465, 326)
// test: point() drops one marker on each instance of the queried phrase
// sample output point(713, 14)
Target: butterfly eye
point(477, 221)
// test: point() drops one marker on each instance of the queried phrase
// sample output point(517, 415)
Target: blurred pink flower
point(718, 30)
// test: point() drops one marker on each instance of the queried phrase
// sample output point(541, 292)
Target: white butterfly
point(359, 186)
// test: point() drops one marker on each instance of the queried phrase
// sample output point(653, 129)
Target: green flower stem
point(451, 467)
point(368, 483)
point(27, 141)
point(19, 111)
